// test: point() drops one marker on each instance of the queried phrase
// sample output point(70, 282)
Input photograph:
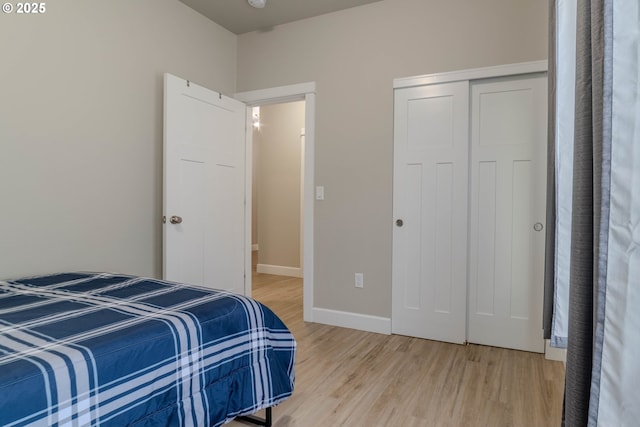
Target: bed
point(85, 349)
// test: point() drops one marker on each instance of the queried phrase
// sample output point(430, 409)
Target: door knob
point(538, 226)
point(399, 222)
point(175, 219)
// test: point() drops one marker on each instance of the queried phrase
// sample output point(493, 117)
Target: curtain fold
point(564, 35)
point(604, 45)
point(614, 392)
point(549, 260)
point(585, 219)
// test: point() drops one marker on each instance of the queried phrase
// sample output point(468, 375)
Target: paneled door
point(469, 196)
point(507, 211)
point(204, 187)
point(430, 211)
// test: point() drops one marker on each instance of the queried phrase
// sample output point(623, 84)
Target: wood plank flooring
point(352, 378)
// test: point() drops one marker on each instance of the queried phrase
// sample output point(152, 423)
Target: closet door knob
point(538, 226)
point(399, 222)
point(175, 219)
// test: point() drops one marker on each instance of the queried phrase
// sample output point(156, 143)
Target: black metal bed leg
point(266, 422)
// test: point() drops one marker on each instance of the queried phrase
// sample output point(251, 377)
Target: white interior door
point(204, 187)
point(507, 212)
point(430, 209)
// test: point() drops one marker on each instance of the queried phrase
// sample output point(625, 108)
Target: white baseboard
point(552, 353)
point(279, 270)
point(254, 247)
point(344, 319)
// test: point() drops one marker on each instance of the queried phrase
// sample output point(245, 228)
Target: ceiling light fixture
point(258, 4)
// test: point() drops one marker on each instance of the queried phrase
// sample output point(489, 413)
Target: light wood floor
point(352, 378)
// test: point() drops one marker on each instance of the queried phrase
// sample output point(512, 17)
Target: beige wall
point(278, 183)
point(81, 121)
point(353, 56)
point(81, 129)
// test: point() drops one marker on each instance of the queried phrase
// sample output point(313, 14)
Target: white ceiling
point(238, 17)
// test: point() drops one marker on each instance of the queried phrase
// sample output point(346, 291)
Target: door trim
point(472, 74)
point(298, 92)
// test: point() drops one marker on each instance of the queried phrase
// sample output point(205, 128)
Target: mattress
point(84, 349)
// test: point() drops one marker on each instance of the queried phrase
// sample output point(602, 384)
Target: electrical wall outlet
point(359, 280)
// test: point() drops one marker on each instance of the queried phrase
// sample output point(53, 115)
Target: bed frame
point(266, 422)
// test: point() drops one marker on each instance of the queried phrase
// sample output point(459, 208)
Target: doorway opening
point(277, 196)
point(278, 95)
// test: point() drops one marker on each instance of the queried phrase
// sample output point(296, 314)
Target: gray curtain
point(589, 181)
point(604, 265)
point(550, 249)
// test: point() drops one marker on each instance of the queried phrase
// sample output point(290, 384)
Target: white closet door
point(507, 212)
point(430, 211)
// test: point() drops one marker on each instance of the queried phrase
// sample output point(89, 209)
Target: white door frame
point(299, 92)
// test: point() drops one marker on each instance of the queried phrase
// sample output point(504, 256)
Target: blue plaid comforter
point(83, 349)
